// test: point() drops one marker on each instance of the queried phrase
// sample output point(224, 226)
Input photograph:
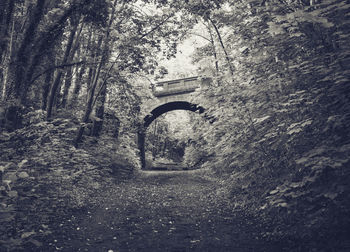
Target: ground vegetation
point(272, 146)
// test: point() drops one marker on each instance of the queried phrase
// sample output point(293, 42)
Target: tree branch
point(222, 45)
point(156, 27)
point(56, 67)
point(201, 36)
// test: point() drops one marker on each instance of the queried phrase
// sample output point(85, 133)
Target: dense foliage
point(74, 76)
point(280, 129)
point(71, 87)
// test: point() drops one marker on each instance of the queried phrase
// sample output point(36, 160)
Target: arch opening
point(155, 113)
point(170, 106)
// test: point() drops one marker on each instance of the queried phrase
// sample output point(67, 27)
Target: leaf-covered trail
point(160, 211)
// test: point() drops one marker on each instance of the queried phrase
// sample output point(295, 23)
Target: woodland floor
point(159, 211)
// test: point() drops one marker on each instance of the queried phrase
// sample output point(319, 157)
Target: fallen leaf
point(23, 175)
point(13, 194)
point(27, 234)
point(35, 242)
point(330, 195)
point(274, 191)
point(23, 162)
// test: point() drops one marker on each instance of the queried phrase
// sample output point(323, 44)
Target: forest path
point(162, 211)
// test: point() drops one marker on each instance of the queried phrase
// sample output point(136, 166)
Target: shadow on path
point(162, 211)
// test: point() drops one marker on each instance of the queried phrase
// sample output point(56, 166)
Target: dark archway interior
point(155, 113)
point(169, 107)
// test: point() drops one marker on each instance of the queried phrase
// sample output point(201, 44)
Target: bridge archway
point(155, 113)
point(170, 106)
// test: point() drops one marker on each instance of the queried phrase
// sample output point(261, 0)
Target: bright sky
point(182, 63)
point(181, 66)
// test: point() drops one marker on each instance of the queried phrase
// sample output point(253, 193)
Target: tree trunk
point(141, 135)
point(117, 127)
point(77, 87)
point(89, 105)
point(6, 15)
point(66, 87)
point(92, 69)
point(69, 75)
point(56, 83)
point(46, 40)
point(79, 79)
point(212, 41)
point(222, 45)
point(99, 112)
point(20, 63)
point(57, 98)
point(5, 62)
point(104, 57)
point(46, 89)
point(5, 20)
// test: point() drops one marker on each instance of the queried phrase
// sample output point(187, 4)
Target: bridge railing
point(184, 85)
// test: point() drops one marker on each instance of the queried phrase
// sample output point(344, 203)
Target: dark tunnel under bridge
point(155, 113)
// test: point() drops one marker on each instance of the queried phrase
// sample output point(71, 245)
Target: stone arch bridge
point(170, 95)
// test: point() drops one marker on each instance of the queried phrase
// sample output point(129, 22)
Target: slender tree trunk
point(141, 135)
point(77, 86)
point(104, 57)
point(46, 89)
point(212, 41)
point(117, 127)
point(56, 83)
point(222, 46)
point(58, 96)
point(101, 99)
point(66, 87)
point(92, 69)
point(88, 108)
point(69, 75)
point(79, 79)
point(5, 62)
point(3, 41)
point(95, 74)
point(99, 112)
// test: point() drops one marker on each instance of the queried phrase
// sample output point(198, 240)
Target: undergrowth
point(44, 176)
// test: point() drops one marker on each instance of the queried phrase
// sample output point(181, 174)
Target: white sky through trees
point(181, 66)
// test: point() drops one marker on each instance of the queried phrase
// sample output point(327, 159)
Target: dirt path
point(161, 211)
